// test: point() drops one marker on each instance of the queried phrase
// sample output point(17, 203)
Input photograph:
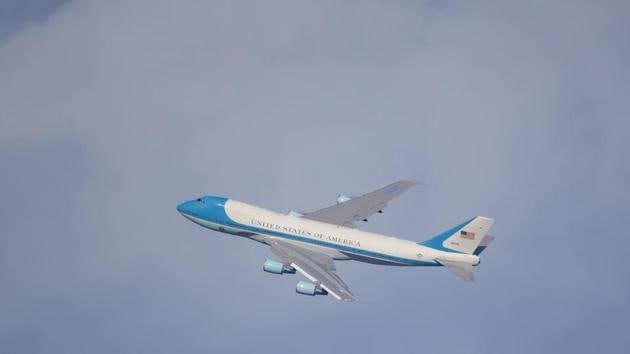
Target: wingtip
point(406, 184)
point(411, 184)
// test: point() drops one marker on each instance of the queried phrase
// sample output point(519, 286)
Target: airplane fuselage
point(339, 242)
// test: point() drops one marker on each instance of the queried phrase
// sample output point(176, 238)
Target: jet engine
point(276, 267)
point(342, 198)
point(295, 214)
point(308, 288)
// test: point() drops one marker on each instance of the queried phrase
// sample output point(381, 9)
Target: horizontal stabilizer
point(463, 271)
point(484, 243)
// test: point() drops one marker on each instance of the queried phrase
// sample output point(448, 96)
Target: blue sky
point(111, 113)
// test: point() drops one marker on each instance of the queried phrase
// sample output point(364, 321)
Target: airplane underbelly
point(373, 260)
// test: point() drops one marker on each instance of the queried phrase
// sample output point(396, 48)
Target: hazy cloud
point(113, 112)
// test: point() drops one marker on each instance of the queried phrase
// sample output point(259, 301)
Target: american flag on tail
point(467, 235)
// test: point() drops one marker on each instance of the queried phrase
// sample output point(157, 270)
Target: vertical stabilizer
point(463, 238)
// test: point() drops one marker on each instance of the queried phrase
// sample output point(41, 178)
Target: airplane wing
point(316, 267)
point(349, 210)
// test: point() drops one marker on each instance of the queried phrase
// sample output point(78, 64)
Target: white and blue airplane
point(309, 243)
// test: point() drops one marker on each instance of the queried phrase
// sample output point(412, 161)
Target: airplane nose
point(183, 207)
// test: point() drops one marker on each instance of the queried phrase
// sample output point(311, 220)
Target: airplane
point(309, 243)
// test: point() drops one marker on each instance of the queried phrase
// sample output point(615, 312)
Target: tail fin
point(464, 238)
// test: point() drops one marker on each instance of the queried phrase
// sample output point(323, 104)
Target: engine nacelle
point(308, 288)
point(295, 214)
point(342, 198)
point(276, 267)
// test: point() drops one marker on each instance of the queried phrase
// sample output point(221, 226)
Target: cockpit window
point(199, 200)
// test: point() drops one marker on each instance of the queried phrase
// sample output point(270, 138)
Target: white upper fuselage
point(339, 242)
